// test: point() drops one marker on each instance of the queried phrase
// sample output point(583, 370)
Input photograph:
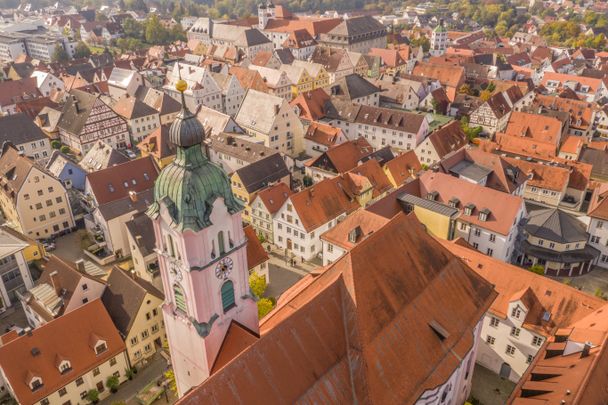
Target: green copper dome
point(189, 186)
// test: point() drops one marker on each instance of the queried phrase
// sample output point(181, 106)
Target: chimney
point(133, 195)
point(277, 108)
point(133, 275)
point(586, 349)
point(55, 282)
point(79, 264)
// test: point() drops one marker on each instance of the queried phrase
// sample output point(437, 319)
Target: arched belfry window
point(228, 295)
point(180, 298)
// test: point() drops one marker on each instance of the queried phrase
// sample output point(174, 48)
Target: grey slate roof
point(125, 205)
point(470, 170)
point(599, 161)
point(355, 27)
point(123, 297)
point(352, 87)
point(261, 173)
point(435, 206)
point(19, 128)
point(73, 119)
point(556, 225)
point(142, 231)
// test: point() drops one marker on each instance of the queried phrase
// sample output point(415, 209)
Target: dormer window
point(484, 214)
point(454, 202)
point(468, 209)
point(100, 347)
point(516, 313)
point(35, 383)
point(432, 195)
point(64, 367)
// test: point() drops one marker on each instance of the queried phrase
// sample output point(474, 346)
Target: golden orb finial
point(181, 85)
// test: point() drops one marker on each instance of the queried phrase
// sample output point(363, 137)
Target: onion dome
point(189, 186)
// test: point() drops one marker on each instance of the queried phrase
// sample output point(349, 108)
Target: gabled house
point(338, 159)
point(60, 289)
point(264, 206)
point(140, 236)
point(492, 116)
point(271, 120)
point(141, 119)
point(27, 137)
point(441, 142)
point(250, 179)
point(33, 201)
point(64, 359)
point(320, 137)
point(86, 119)
point(134, 306)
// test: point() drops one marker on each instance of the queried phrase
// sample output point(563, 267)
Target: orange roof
point(326, 200)
point(598, 207)
point(249, 79)
point(256, 254)
point(447, 75)
point(403, 167)
point(311, 104)
point(396, 292)
point(323, 134)
point(581, 112)
point(71, 337)
point(343, 157)
point(274, 196)
point(237, 339)
point(540, 128)
point(565, 304)
point(373, 173)
point(593, 83)
point(503, 207)
point(314, 26)
point(572, 145)
point(365, 221)
point(542, 176)
point(557, 374)
point(158, 143)
point(524, 146)
point(390, 57)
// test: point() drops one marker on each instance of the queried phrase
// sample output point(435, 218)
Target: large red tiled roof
point(71, 337)
point(391, 288)
point(118, 181)
point(503, 207)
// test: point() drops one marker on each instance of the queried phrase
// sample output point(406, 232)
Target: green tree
point(155, 33)
point(422, 41)
point(307, 180)
point(265, 305)
point(257, 284)
point(133, 29)
point(82, 50)
point(537, 269)
point(65, 149)
point(170, 377)
point(59, 55)
point(485, 95)
point(465, 89)
point(112, 382)
point(93, 396)
point(55, 144)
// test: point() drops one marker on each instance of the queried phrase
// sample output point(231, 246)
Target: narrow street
point(129, 389)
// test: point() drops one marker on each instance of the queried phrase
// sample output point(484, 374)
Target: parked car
point(130, 154)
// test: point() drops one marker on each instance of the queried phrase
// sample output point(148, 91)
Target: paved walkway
point(127, 391)
point(488, 388)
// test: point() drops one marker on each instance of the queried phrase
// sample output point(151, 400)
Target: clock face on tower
point(223, 268)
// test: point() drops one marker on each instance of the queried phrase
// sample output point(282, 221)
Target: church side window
point(228, 295)
point(220, 242)
point(180, 298)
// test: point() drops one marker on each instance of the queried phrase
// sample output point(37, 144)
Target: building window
point(490, 340)
point(134, 340)
point(516, 313)
point(220, 242)
point(113, 361)
point(492, 237)
point(45, 401)
point(515, 331)
point(227, 295)
point(494, 322)
point(100, 348)
point(62, 391)
point(79, 381)
point(96, 372)
point(537, 341)
point(180, 298)
point(529, 359)
point(510, 350)
point(490, 252)
point(145, 334)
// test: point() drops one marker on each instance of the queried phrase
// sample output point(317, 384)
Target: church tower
point(202, 253)
point(439, 40)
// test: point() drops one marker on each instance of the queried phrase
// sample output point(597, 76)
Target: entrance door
point(505, 370)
